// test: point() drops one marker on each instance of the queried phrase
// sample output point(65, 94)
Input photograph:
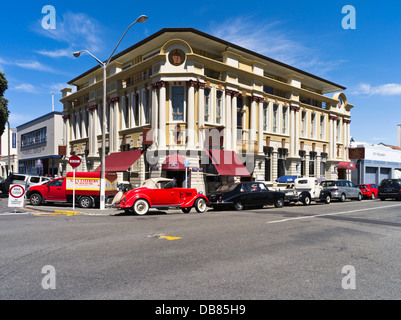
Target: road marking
point(169, 238)
point(332, 214)
point(162, 236)
point(58, 213)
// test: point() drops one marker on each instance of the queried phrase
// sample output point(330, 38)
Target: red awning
point(121, 161)
point(346, 165)
point(227, 163)
point(174, 162)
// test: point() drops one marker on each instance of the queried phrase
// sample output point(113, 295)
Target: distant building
point(5, 140)
point(374, 162)
point(38, 142)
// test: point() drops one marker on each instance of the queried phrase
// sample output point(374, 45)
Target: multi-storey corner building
point(225, 110)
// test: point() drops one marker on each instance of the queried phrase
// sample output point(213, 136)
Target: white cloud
point(272, 41)
point(389, 89)
point(26, 87)
point(29, 64)
point(77, 30)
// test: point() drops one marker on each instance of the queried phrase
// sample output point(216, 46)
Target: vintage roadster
point(306, 190)
point(162, 197)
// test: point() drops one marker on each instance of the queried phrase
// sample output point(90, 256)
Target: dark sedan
point(245, 195)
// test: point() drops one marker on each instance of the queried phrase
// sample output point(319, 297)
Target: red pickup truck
point(87, 189)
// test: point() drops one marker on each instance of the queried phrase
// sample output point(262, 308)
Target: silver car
point(342, 189)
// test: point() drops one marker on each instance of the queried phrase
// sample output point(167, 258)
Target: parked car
point(342, 189)
point(369, 190)
point(36, 180)
point(306, 190)
point(390, 188)
point(13, 178)
point(86, 189)
point(287, 179)
point(140, 200)
point(245, 195)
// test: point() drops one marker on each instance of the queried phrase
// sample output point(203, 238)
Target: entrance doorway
point(179, 176)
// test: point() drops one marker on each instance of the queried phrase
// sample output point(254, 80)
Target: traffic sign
point(74, 161)
point(16, 195)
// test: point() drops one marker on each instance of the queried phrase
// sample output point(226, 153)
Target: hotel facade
point(185, 104)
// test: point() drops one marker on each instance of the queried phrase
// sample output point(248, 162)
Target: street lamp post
point(104, 65)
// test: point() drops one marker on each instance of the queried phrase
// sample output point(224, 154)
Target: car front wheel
point(200, 205)
point(372, 196)
point(35, 199)
point(359, 196)
point(279, 203)
point(306, 201)
point(140, 207)
point(238, 206)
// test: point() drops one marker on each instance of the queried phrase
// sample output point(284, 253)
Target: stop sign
point(74, 161)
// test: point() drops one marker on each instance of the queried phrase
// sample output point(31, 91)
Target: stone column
point(260, 126)
point(155, 112)
point(191, 115)
point(228, 123)
point(162, 110)
point(201, 114)
point(253, 124)
point(234, 120)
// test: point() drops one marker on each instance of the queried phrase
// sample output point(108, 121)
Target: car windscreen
point(326, 184)
point(390, 183)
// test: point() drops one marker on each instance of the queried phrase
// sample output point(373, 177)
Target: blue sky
point(306, 34)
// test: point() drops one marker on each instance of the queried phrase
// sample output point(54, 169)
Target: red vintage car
point(140, 200)
point(369, 190)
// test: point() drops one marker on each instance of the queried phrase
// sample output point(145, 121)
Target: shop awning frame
point(227, 163)
point(346, 165)
point(121, 161)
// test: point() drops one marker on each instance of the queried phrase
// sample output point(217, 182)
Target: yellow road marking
point(58, 213)
point(169, 238)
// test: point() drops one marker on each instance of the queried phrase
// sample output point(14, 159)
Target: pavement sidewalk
point(68, 209)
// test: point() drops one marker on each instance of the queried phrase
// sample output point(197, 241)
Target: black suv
point(390, 188)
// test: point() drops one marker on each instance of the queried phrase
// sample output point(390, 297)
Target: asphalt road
point(295, 252)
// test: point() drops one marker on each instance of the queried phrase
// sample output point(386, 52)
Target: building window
point(240, 117)
point(322, 127)
point(135, 110)
point(275, 117)
point(219, 108)
point(284, 124)
point(34, 137)
point(312, 161)
point(265, 116)
point(207, 104)
point(178, 103)
point(126, 112)
point(312, 125)
point(147, 107)
point(281, 162)
point(303, 162)
point(323, 165)
point(338, 133)
point(303, 123)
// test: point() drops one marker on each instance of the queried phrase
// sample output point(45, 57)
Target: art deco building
point(206, 111)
